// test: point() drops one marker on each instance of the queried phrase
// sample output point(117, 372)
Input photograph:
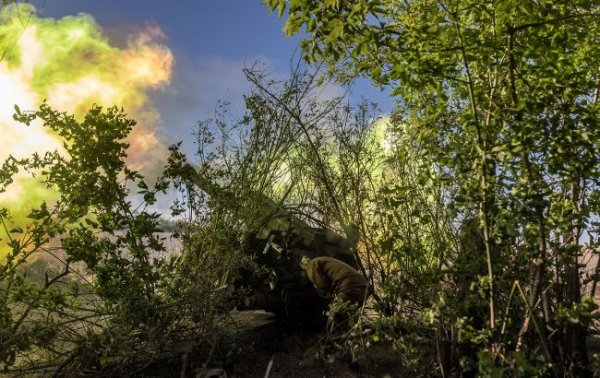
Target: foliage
point(504, 99)
point(108, 298)
point(467, 210)
point(336, 166)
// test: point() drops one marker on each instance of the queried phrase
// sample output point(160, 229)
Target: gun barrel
point(271, 218)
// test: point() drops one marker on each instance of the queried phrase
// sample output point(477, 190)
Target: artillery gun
point(277, 242)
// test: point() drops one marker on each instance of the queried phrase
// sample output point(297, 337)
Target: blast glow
point(64, 95)
point(71, 64)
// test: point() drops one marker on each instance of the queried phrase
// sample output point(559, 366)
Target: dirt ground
point(295, 354)
point(256, 342)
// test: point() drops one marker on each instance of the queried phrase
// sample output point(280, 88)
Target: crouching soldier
point(336, 280)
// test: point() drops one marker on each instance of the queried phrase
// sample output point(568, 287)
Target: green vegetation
point(503, 96)
point(108, 301)
point(469, 210)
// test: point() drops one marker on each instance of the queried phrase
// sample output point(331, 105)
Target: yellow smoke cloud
point(70, 63)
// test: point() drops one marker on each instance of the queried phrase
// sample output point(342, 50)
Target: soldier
point(335, 279)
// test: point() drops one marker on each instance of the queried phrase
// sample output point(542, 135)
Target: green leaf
point(376, 73)
point(336, 28)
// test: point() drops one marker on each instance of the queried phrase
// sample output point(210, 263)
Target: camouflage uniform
point(336, 279)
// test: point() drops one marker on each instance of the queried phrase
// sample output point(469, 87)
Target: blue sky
point(211, 40)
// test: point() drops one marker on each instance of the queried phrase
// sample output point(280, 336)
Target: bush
point(106, 297)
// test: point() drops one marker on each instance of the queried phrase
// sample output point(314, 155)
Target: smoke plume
point(72, 65)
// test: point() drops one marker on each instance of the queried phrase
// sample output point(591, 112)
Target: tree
point(86, 285)
point(337, 167)
point(505, 95)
